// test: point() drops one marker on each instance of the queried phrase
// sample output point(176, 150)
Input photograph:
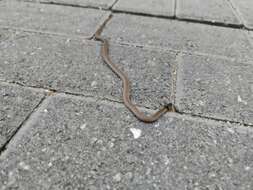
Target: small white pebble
point(201, 103)
point(136, 132)
point(117, 177)
point(230, 160)
point(82, 127)
point(50, 164)
point(45, 110)
point(24, 166)
point(94, 83)
point(157, 125)
point(111, 144)
point(239, 99)
point(231, 130)
point(247, 168)
point(212, 174)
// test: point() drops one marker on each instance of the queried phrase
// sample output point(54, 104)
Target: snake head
point(171, 107)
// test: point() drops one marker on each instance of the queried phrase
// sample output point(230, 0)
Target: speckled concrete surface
point(75, 66)
point(62, 121)
point(182, 36)
point(160, 8)
point(217, 88)
point(216, 11)
point(50, 18)
point(65, 146)
point(105, 4)
point(15, 106)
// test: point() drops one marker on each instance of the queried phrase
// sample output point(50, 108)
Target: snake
point(126, 83)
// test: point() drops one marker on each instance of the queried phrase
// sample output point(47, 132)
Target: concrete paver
point(192, 37)
point(81, 137)
point(50, 18)
point(75, 66)
point(215, 88)
point(16, 103)
point(65, 146)
point(245, 10)
point(98, 3)
point(158, 7)
point(215, 11)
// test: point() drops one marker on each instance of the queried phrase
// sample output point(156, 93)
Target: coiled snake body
point(126, 84)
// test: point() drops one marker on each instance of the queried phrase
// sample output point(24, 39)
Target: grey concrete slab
point(152, 7)
point(75, 66)
point(215, 11)
point(245, 10)
point(51, 18)
point(3, 35)
point(16, 103)
point(192, 37)
point(215, 88)
point(86, 3)
point(73, 143)
point(251, 36)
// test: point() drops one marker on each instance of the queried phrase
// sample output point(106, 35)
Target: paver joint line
point(74, 5)
point(116, 1)
point(4, 147)
point(126, 84)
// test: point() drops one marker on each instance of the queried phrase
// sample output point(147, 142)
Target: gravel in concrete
point(215, 11)
point(73, 143)
point(16, 103)
point(86, 3)
point(215, 88)
point(51, 18)
point(192, 37)
point(75, 66)
point(245, 10)
point(151, 7)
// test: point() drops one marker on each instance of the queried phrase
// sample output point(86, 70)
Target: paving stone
point(50, 18)
point(219, 11)
point(215, 88)
point(158, 7)
point(16, 104)
point(184, 36)
point(98, 3)
point(245, 10)
point(73, 143)
point(75, 66)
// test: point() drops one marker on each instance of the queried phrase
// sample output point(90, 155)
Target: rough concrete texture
point(16, 103)
point(50, 18)
point(65, 146)
point(75, 66)
point(85, 3)
point(83, 137)
point(151, 7)
point(215, 88)
point(215, 11)
point(245, 10)
point(192, 37)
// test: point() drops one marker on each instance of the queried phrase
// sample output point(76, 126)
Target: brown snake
point(126, 84)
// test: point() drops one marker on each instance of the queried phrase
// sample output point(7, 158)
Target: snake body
point(126, 84)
